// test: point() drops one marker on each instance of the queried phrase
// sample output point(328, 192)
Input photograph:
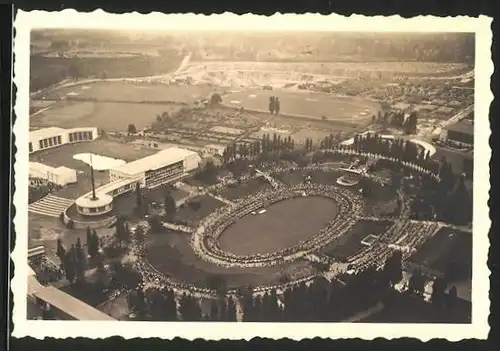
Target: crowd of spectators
point(405, 234)
point(204, 240)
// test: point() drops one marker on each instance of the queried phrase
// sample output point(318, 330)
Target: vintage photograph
point(266, 175)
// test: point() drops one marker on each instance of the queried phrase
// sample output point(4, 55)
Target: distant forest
point(58, 54)
point(265, 46)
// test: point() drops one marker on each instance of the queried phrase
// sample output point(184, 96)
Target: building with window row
point(164, 167)
point(460, 133)
point(46, 138)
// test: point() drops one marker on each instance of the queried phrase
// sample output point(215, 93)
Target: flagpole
point(94, 197)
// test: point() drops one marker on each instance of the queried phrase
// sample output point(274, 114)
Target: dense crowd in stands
point(204, 241)
point(405, 234)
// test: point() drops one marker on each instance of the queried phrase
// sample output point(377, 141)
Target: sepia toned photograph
point(252, 175)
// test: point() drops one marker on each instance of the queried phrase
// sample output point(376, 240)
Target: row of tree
point(274, 105)
point(73, 260)
point(266, 145)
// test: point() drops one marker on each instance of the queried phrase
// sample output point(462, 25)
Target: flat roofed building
point(461, 133)
point(62, 304)
point(59, 175)
point(161, 168)
point(46, 138)
point(213, 150)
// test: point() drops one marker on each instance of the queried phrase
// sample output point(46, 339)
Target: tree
point(169, 205)
point(417, 283)
point(131, 129)
point(217, 283)
point(438, 292)
point(209, 173)
point(155, 223)
point(70, 265)
point(230, 312)
point(138, 198)
point(80, 263)
point(61, 251)
point(74, 72)
point(215, 99)
point(271, 105)
point(170, 306)
point(214, 311)
point(92, 244)
point(393, 270)
point(89, 235)
point(452, 296)
point(189, 308)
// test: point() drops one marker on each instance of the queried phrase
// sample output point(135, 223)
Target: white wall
point(191, 162)
point(63, 133)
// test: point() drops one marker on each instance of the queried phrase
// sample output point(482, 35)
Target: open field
point(208, 204)
point(247, 188)
point(110, 116)
point(45, 71)
point(63, 155)
point(335, 68)
point(131, 92)
point(171, 254)
point(284, 224)
point(347, 245)
point(307, 105)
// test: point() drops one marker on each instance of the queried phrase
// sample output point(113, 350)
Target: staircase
point(50, 205)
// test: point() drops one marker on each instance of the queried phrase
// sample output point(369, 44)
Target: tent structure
point(60, 175)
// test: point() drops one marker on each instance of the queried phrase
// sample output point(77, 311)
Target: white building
point(164, 167)
point(213, 150)
point(47, 138)
point(60, 175)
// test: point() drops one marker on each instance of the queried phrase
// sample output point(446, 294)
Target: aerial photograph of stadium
point(250, 176)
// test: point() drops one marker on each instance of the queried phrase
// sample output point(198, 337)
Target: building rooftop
point(215, 146)
point(160, 159)
point(65, 302)
point(463, 126)
point(46, 132)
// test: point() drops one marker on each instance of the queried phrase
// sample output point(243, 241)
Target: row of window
point(94, 209)
point(79, 136)
point(121, 190)
point(163, 175)
point(48, 142)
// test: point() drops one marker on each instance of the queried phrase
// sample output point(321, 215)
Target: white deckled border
point(479, 328)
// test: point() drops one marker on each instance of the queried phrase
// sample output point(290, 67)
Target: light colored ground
point(63, 155)
point(133, 92)
point(110, 116)
point(284, 224)
point(307, 104)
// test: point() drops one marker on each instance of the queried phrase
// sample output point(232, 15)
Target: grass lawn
point(171, 254)
point(133, 92)
point(244, 189)
point(110, 116)
point(208, 205)
point(350, 243)
point(284, 224)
